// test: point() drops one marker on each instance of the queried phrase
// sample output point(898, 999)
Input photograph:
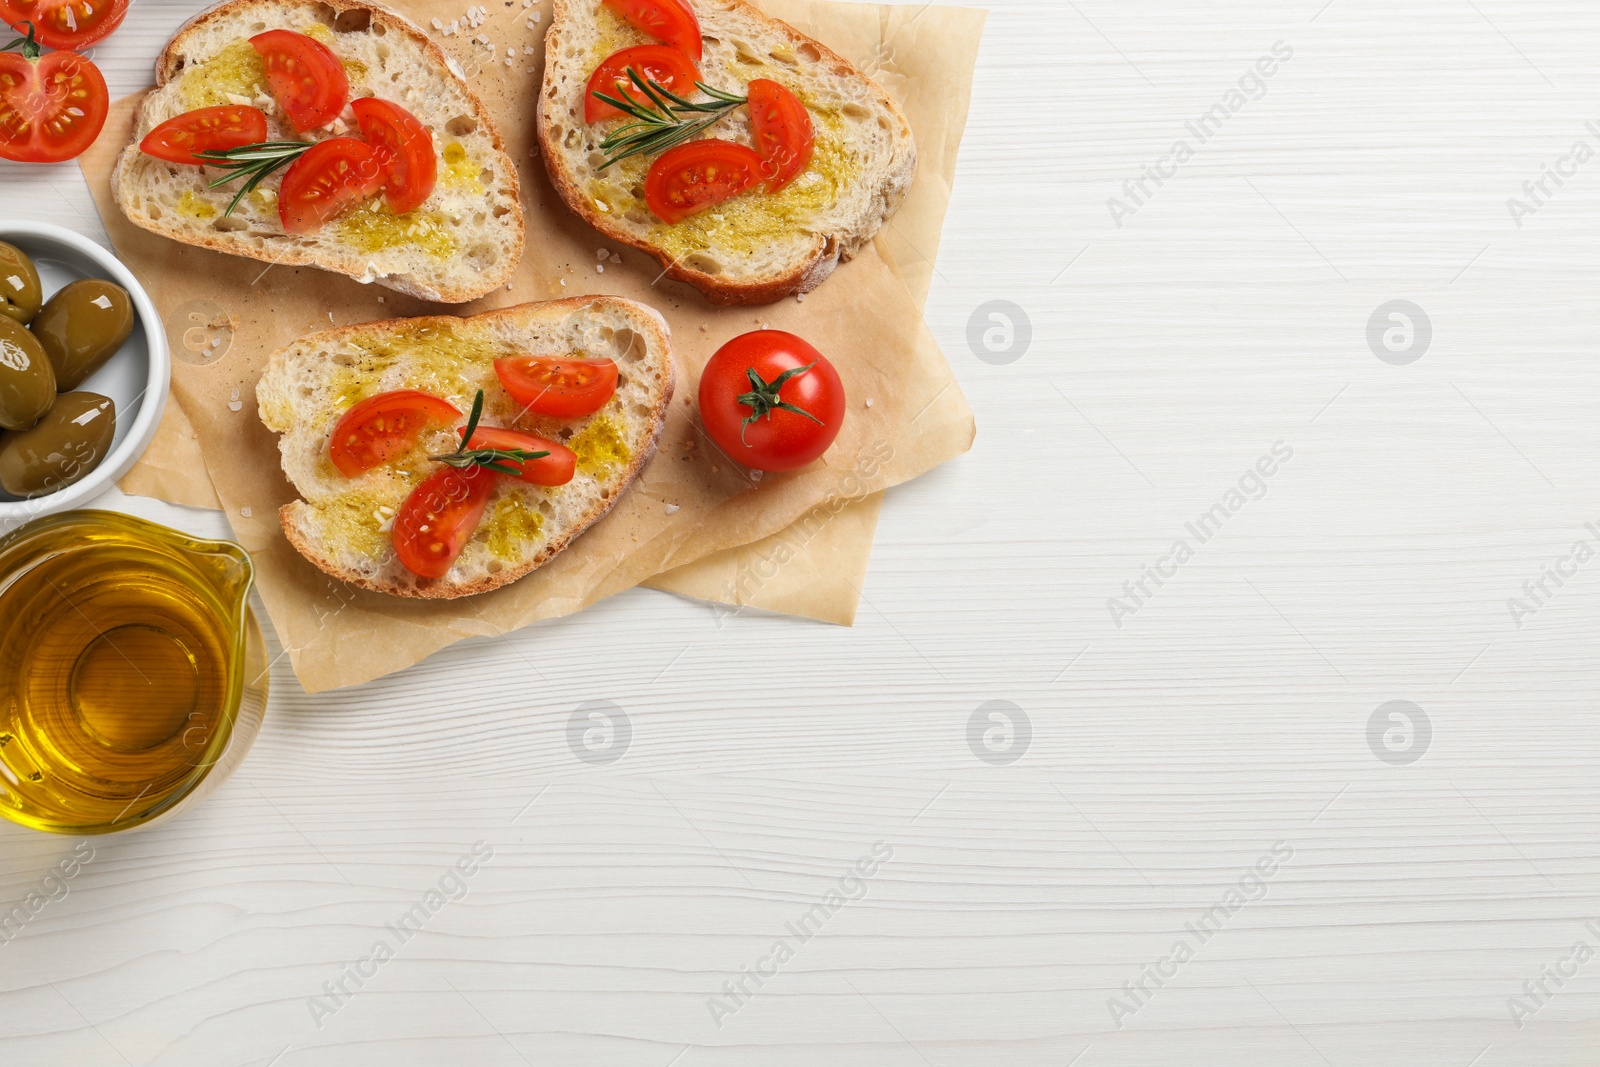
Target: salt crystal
point(869, 401)
point(438, 23)
point(599, 268)
point(616, 257)
point(672, 509)
point(601, 253)
point(246, 512)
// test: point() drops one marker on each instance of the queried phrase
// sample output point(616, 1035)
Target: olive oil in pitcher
point(122, 669)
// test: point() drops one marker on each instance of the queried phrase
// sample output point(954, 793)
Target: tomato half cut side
point(437, 520)
point(672, 22)
point(655, 62)
point(333, 176)
point(697, 175)
point(554, 469)
point(209, 129)
point(306, 78)
point(781, 127)
point(559, 388)
point(404, 148)
point(382, 427)
point(52, 107)
point(66, 24)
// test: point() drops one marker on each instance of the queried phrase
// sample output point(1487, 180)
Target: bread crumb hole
point(703, 263)
point(854, 111)
point(461, 125)
point(809, 53)
point(229, 224)
point(355, 20)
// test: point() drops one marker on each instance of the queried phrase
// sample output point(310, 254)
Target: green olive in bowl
point(27, 382)
point(68, 443)
point(20, 291)
point(82, 326)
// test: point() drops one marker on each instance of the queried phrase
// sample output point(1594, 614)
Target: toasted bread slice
point(462, 243)
point(342, 524)
point(757, 247)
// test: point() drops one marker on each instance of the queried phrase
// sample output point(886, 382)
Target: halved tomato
point(404, 148)
point(52, 107)
point(698, 174)
point(384, 426)
point(672, 22)
point(780, 125)
point(438, 518)
point(559, 388)
point(305, 77)
point(657, 62)
point(332, 176)
point(65, 24)
point(209, 129)
point(554, 469)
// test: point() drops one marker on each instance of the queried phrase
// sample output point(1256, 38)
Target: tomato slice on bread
point(404, 148)
point(698, 174)
point(305, 77)
point(672, 22)
point(382, 427)
point(781, 127)
point(660, 63)
point(331, 177)
point(52, 106)
point(559, 388)
point(553, 469)
point(66, 24)
point(437, 520)
point(209, 129)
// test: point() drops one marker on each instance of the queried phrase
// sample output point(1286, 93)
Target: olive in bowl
point(20, 291)
point(68, 443)
point(82, 326)
point(27, 382)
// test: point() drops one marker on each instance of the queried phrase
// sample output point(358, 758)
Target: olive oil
point(123, 664)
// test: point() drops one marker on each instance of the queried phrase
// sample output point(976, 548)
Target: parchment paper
point(690, 504)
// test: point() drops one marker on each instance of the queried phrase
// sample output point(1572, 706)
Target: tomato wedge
point(438, 518)
point(305, 77)
point(671, 22)
point(554, 469)
point(209, 129)
point(331, 177)
point(384, 426)
point(404, 148)
point(52, 107)
point(66, 24)
point(781, 127)
point(559, 388)
point(698, 174)
point(656, 62)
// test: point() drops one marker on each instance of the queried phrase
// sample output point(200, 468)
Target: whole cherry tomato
point(771, 401)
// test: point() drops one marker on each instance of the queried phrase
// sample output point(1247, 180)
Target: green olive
point(20, 293)
point(27, 383)
point(82, 326)
point(62, 447)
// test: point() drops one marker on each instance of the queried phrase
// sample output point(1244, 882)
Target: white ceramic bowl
point(136, 378)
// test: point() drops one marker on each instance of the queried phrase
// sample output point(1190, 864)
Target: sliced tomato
point(404, 148)
point(65, 24)
point(52, 107)
point(656, 62)
point(209, 129)
point(696, 175)
point(306, 78)
point(671, 22)
point(333, 176)
point(554, 469)
point(559, 388)
point(438, 518)
point(384, 426)
point(781, 127)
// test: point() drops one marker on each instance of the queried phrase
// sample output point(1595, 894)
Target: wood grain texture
point(1227, 715)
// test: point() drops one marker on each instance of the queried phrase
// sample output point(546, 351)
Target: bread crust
point(828, 251)
point(442, 589)
point(166, 68)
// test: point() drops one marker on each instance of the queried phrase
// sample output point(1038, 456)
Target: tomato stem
point(762, 399)
point(28, 46)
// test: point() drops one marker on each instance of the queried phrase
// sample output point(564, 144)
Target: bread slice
point(342, 524)
point(757, 247)
point(462, 243)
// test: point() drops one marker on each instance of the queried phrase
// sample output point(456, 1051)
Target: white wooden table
point(1426, 878)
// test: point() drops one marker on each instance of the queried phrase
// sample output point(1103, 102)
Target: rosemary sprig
point(495, 459)
point(663, 119)
point(253, 162)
